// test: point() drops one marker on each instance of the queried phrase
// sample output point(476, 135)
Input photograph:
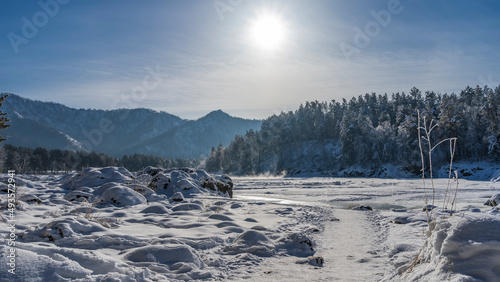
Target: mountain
point(118, 132)
point(197, 136)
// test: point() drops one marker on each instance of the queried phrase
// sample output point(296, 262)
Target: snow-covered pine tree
point(491, 114)
point(3, 119)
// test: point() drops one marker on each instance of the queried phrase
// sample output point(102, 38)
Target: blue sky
point(191, 57)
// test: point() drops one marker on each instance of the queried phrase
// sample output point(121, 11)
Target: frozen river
point(361, 245)
point(345, 193)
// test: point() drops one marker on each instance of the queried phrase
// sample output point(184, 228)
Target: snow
point(181, 258)
point(474, 171)
point(94, 177)
point(493, 201)
point(108, 224)
point(253, 242)
point(460, 248)
point(173, 182)
point(77, 145)
point(18, 115)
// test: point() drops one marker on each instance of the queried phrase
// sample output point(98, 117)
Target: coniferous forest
point(41, 160)
point(371, 131)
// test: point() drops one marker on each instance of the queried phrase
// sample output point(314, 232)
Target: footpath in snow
point(351, 247)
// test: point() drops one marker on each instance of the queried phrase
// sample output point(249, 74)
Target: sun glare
point(268, 31)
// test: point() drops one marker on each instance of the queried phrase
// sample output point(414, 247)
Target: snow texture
point(107, 224)
point(460, 249)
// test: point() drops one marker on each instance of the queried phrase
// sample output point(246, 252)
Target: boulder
point(177, 197)
point(119, 195)
point(363, 208)
point(95, 177)
point(188, 181)
point(253, 242)
point(170, 255)
point(493, 201)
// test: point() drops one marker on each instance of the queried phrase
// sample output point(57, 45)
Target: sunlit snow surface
point(274, 229)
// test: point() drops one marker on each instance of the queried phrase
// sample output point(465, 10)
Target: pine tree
point(3, 119)
point(348, 132)
point(491, 114)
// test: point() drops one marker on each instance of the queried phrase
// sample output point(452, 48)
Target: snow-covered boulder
point(188, 182)
point(68, 227)
point(312, 260)
point(401, 220)
point(150, 170)
point(187, 207)
point(119, 195)
point(30, 198)
point(147, 192)
point(94, 177)
point(165, 254)
point(21, 181)
point(31, 266)
point(160, 182)
point(4, 186)
point(157, 209)
point(428, 208)
point(493, 201)
point(175, 181)
point(78, 196)
point(296, 244)
point(184, 182)
point(363, 208)
point(182, 260)
point(253, 242)
point(177, 197)
point(222, 184)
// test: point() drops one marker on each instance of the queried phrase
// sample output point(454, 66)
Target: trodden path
point(351, 248)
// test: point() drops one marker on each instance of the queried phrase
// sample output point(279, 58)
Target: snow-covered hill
point(118, 132)
point(196, 136)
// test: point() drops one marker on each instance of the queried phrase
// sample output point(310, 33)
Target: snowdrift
point(460, 248)
point(108, 224)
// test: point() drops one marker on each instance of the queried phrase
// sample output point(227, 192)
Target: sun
point(268, 31)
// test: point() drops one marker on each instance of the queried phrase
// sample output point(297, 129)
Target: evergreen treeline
point(41, 160)
point(370, 131)
point(3, 118)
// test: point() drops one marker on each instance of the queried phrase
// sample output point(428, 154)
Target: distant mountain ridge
point(118, 132)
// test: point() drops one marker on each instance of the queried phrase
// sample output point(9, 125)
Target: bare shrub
point(424, 135)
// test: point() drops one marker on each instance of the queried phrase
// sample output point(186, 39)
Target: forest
point(370, 131)
point(41, 160)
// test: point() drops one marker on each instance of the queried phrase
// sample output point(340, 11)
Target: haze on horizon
point(251, 59)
